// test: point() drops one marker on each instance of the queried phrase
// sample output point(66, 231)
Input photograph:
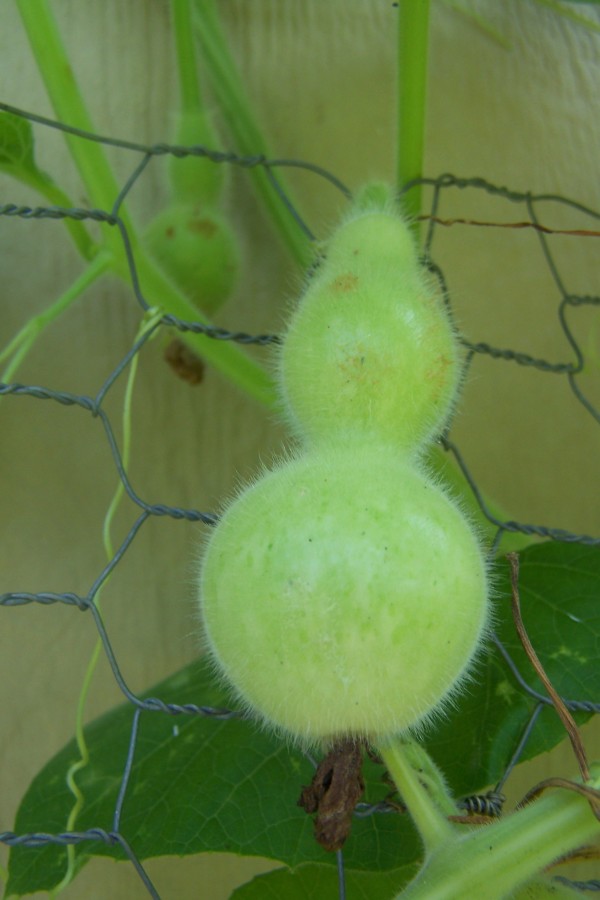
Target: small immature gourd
point(196, 247)
point(371, 346)
point(191, 238)
point(344, 593)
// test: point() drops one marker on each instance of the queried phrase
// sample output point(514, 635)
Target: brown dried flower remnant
point(336, 788)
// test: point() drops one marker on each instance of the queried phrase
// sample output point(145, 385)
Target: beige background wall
point(322, 78)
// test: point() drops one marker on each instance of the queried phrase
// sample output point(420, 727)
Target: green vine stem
point(77, 766)
point(102, 189)
point(488, 862)
point(228, 358)
point(84, 757)
point(189, 92)
point(422, 790)
point(101, 186)
point(69, 106)
point(192, 120)
point(568, 13)
point(480, 21)
point(21, 344)
point(228, 89)
point(413, 24)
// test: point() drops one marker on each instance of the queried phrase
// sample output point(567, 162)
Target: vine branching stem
point(413, 28)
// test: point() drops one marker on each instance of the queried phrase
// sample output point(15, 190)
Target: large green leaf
point(559, 590)
point(197, 785)
point(202, 785)
point(315, 881)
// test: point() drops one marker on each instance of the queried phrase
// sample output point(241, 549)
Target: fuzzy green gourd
point(371, 346)
point(190, 238)
point(344, 593)
point(196, 247)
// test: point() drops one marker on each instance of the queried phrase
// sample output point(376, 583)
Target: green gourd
point(191, 239)
point(370, 347)
point(195, 245)
point(344, 594)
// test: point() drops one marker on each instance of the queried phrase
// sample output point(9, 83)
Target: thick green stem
point(103, 190)
point(413, 23)
point(490, 862)
point(422, 790)
point(193, 179)
point(69, 106)
point(228, 89)
point(189, 92)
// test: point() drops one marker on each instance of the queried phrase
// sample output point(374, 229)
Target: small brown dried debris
point(336, 788)
point(184, 362)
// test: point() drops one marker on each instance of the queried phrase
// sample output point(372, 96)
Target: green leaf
point(315, 881)
point(202, 785)
point(16, 143)
point(197, 785)
point(559, 590)
point(17, 157)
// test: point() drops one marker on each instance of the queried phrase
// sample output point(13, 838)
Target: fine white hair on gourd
point(370, 346)
point(344, 592)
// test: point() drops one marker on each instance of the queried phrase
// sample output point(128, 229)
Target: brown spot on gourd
point(344, 283)
point(352, 364)
point(202, 226)
point(442, 363)
point(439, 375)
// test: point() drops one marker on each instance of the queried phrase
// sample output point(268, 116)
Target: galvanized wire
point(93, 405)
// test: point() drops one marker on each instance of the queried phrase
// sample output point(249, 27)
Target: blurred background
point(513, 100)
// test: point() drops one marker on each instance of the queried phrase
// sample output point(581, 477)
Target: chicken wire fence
point(531, 212)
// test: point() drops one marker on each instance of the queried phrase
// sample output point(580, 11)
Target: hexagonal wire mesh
point(94, 406)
